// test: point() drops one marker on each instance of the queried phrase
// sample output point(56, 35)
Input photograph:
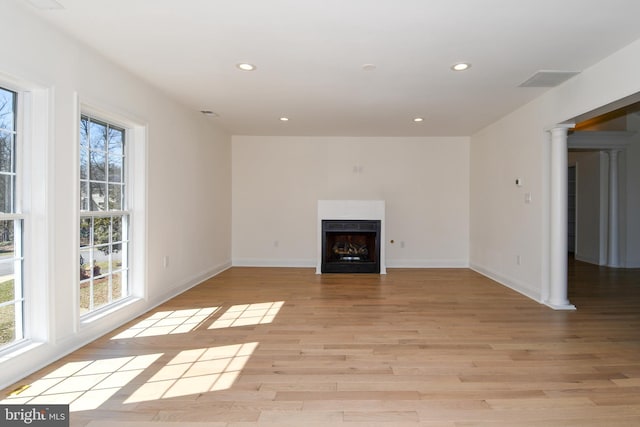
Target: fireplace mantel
point(351, 209)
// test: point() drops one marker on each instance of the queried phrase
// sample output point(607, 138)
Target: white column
point(558, 297)
point(613, 244)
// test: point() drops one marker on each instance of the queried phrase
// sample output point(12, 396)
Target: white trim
point(561, 307)
point(266, 262)
point(427, 263)
point(391, 263)
point(600, 140)
point(108, 309)
point(34, 146)
point(510, 283)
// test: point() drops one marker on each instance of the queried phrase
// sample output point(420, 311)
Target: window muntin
point(104, 219)
point(11, 225)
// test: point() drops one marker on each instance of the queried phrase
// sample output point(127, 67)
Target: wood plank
point(416, 347)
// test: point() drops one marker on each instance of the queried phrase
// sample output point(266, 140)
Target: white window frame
point(135, 175)
point(16, 215)
point(87, 252)
point(32, 198)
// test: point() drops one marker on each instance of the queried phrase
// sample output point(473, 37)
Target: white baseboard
point(590, 260)
point(262, 262)
point(510, 283)
point(427, 263)
point(390, 263)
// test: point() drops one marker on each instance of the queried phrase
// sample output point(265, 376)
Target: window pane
point(101, 230)
point(101, 292)
point(85, 231)
point(7, 243)
point(115, 197)
point(7, 109)
point(98, 136)
point(100, 261)
point(117, 286)
point(98, 196)
point(7, 149)
point(116, 142)
point(7, 284)
point(97, 166)
point(84, 133)
point(7, 324)
point(117, 229)
point(85, 296)
point(115, 168)
point(6, 193)
point(116, 257)
point(84, 195)
point(85, 264)
point(84, 163)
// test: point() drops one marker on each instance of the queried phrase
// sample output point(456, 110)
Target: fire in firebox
point(350, 251)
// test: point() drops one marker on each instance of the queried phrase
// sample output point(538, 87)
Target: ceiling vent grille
point(46, 4)
point(545, 78)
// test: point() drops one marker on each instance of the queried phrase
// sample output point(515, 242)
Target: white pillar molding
point(613, 257)
point(558, 297)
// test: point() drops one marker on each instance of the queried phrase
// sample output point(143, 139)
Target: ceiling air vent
point(545, 78)
point(46, 4)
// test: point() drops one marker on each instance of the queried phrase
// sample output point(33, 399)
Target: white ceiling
point(310, 54)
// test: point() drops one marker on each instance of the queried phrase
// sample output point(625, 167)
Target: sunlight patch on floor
point(248, 314)
point(84, 385)
point(168, 323)
point(196, 371)
point(88, 384)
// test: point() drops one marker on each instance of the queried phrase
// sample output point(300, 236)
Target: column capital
point(561, 127)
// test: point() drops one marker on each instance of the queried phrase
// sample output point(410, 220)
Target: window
point(104, 217)
point(11, 225)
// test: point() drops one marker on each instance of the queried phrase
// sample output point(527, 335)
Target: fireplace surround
point(351, 236)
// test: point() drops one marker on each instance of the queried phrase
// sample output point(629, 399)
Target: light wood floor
point(286, 347)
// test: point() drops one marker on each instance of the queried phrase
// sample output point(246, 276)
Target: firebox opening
point(351, 246)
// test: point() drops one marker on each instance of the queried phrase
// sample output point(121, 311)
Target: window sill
point(107, 311)
point(18, 349)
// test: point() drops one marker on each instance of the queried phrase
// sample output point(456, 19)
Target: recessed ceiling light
point(418, 119)
point(284, 119)
point(461, 66)
point(245, 66)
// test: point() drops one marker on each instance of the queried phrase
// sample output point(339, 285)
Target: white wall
point(188, 181)
point(502, 225)
point(277, 182)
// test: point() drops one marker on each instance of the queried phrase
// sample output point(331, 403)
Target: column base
point(567, 306)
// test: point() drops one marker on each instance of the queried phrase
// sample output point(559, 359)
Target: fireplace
point(350, 246)
point(351, 236)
